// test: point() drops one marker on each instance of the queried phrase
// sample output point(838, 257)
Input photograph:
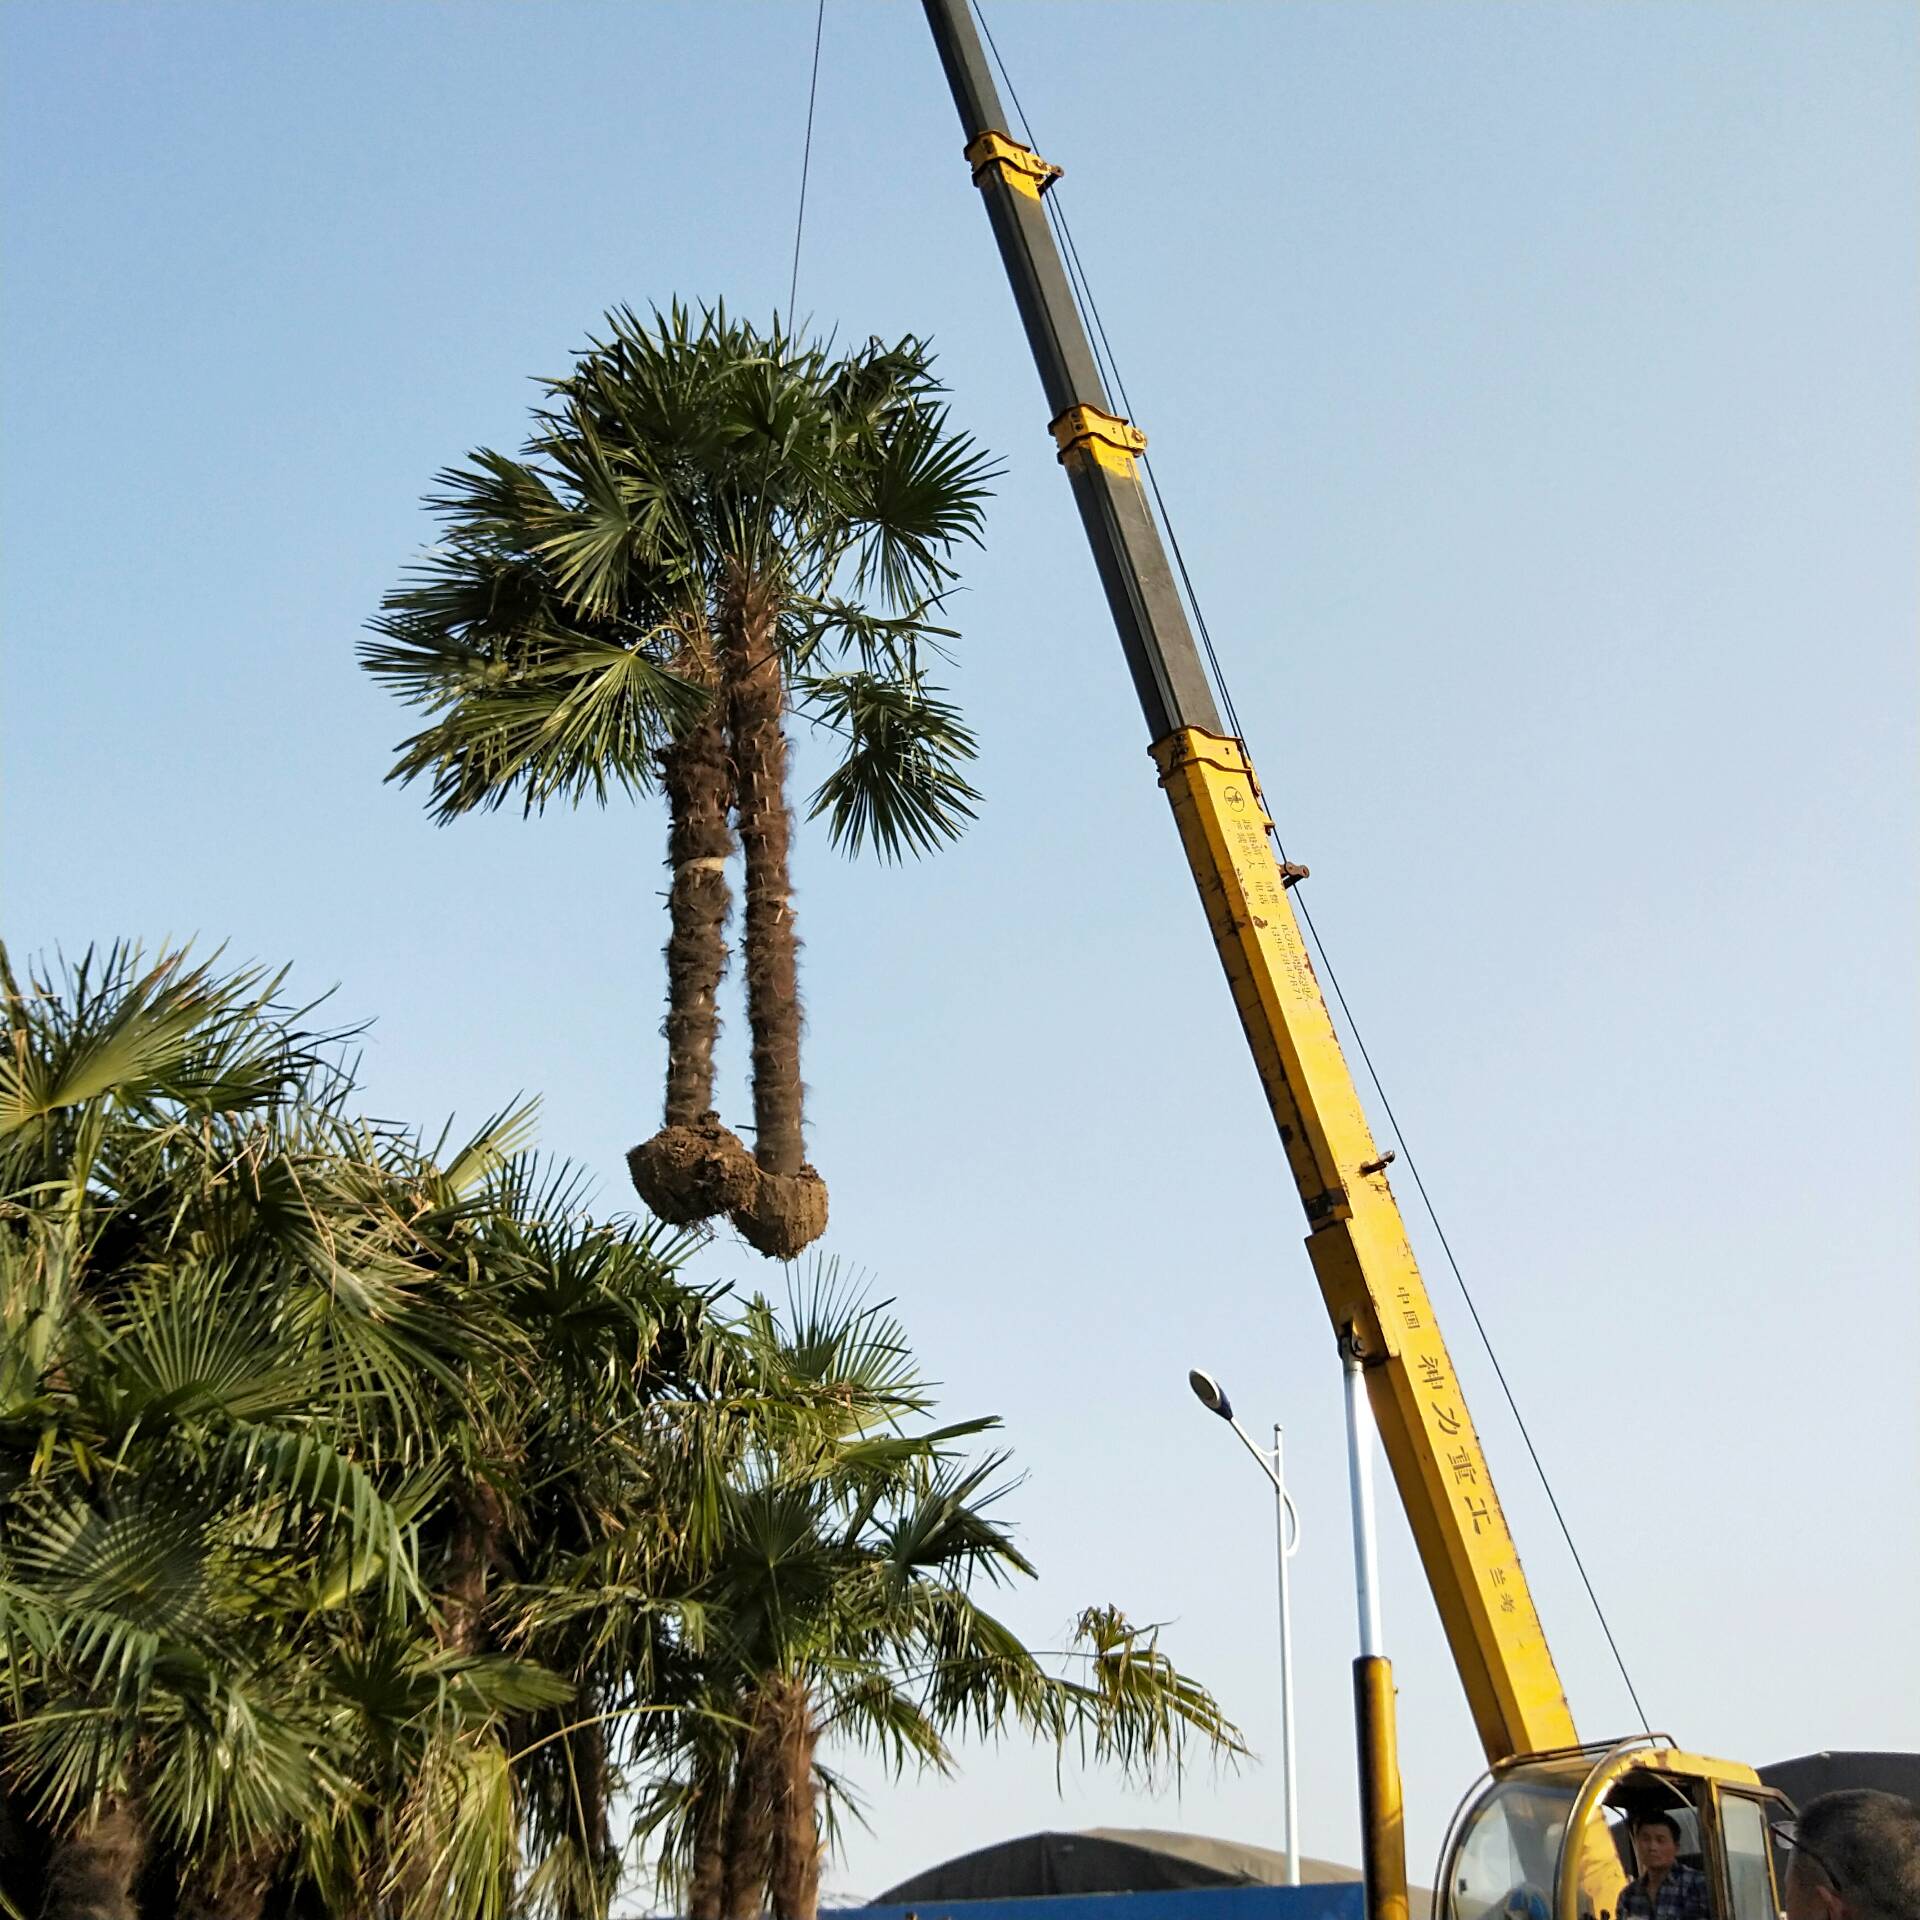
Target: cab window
point(1743, 1827)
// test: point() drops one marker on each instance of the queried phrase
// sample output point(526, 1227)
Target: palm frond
point(924, 491)
point(563, 715)
point(898, 786)
point(109, 1026)
point(493, 1149)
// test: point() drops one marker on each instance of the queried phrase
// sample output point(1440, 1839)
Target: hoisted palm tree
point(545, 691)
point(711, 526)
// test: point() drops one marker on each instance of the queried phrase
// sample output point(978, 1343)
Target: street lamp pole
point(1286, 1521)
point(1286, 1528)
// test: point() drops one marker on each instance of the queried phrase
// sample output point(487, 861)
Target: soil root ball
point(786, 1213)
point(688, 1174)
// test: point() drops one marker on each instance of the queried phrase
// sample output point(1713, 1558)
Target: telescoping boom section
point(1355, 1236)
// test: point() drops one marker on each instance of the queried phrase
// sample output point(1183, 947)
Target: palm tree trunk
point(237, 1891)
point(477, 1548)
point(756, 694)
point(707, 1888)
point(593, 1834)
point(694, 1167)
point(750, 1824)
point(789, 1210)
point(795, 1880)
point(96, 1864)
point(699, 790)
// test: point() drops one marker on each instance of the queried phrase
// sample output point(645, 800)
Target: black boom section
point(1127, 548)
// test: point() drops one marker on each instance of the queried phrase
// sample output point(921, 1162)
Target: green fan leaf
point(898, 786)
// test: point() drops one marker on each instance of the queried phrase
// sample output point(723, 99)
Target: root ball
point(689, 1174)
point(785, 1214)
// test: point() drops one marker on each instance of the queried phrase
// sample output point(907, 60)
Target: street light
point(1211, 1395)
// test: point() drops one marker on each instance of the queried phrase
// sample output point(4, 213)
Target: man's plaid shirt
point(1682, 1896)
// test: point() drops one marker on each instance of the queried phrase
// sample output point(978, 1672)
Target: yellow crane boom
point(1356, 1238)
point(1357, 1242)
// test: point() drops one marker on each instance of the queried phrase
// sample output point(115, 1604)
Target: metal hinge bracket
point(1020, 167)
point(1105, 438)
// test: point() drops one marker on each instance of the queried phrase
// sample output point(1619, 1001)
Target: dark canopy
point(1816, 1773)
point(1103, 1860)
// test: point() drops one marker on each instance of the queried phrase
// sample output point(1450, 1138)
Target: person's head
point(1656, 1841)
point(1855, 1855)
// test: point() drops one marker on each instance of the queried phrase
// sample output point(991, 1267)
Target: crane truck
point(1542, 1833)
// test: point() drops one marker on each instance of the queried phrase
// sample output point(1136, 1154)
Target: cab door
point(1747, 1887)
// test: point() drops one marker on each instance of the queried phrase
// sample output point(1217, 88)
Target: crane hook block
point(1020, 167)
point(1105, 438)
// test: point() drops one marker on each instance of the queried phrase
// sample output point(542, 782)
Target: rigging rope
point(806, 161)
point(1109, 367)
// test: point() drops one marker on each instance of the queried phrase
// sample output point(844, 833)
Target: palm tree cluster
point(383, 1537)
point(841, 1603)
point(708, 527)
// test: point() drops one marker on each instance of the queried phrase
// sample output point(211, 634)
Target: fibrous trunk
point(795, 1880)
point(788, 1209)
point(695, 774)
point(694, 1167)
point(749, 1837)
point(477, 1548)
point(96, 1863)
point(593, 1834)
point(236, 1890)
point(707, 1887)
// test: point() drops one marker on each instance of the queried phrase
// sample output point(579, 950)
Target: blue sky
point(1535, 392)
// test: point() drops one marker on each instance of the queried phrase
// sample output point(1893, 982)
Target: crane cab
point(1548, 1836)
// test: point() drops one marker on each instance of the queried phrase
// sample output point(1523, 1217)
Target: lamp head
point(1210, 1393)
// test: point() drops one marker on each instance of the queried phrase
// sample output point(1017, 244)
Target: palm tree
point(299, 1419)
point(841, 1602)
point(544, 691)
point(710, 525)
point(167, 1474)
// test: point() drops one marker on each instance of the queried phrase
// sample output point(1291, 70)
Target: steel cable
point(806, 161)
point(1106, 361)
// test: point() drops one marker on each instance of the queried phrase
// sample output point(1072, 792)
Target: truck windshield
point(1506, 1851)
